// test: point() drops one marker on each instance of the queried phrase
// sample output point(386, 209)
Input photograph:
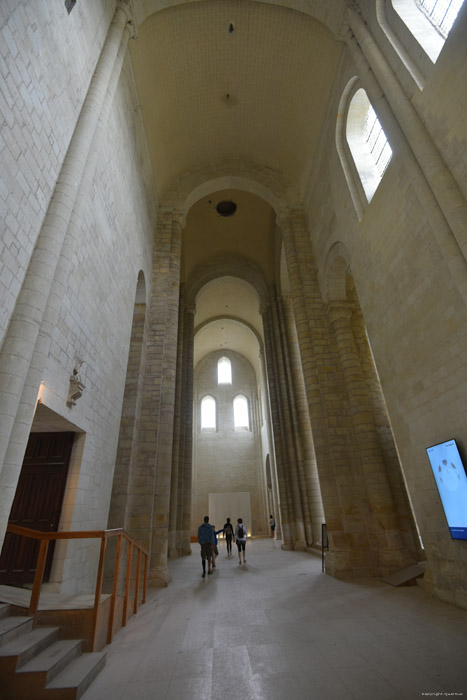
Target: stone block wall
point(413, 307)
point(47, 60)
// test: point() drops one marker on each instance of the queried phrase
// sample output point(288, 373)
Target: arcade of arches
point(177, 188)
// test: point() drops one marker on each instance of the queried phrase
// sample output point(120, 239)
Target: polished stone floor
point(279, 629)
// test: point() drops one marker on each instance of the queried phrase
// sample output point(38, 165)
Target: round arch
point(227, 265)
point(262, 182)
point(331, 15)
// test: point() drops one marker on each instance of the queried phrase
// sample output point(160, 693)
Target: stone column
point(348, 538)
point(310, 478)
point(187, 461)
point(151, 501)
point(180, 499)
point(286, 505)
point(385, 540)
point(27, 342)
point(272, 454)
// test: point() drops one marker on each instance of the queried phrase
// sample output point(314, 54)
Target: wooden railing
point(104, 536)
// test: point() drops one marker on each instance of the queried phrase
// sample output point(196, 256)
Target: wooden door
point(37, 504)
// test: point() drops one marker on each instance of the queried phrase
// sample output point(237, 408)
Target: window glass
point(208, 413)
point(224, 371)
point(367, 142)
point(241, 419)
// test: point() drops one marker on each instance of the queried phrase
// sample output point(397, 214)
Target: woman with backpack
point(240, 539)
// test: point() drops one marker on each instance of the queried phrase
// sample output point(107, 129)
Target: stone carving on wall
point(76, 387)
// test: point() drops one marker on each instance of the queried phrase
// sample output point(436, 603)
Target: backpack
point(241, 532)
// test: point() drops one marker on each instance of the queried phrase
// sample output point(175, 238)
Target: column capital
point(191, 309)
point(175, 215)
point(339, 310)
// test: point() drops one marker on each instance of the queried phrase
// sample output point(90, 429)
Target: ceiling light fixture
point(226, 208)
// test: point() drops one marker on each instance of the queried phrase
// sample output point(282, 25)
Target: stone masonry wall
point(47, 60)
point(414, 312)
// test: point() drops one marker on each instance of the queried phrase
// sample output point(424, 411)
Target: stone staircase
point(36, 665)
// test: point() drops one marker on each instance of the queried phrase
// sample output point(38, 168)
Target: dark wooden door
point(37, 504)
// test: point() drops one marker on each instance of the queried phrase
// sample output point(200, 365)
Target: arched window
point(241, 418)
point(430, 21)
point(208, 413)
point(224, 371)
point(367, 142)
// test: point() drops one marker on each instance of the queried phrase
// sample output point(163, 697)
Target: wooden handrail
point(103, 535)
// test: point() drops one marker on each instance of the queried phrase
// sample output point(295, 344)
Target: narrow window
point(208, 413)
point(241, 419)
point(429, 21)
point(224, 371)
point(367, 142)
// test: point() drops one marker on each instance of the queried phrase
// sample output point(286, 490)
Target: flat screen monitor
point(451, 481)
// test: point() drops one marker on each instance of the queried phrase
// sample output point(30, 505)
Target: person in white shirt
point(240, 539)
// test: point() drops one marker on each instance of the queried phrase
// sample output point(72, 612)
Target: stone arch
point(262, 182)
point(343, 150)
point(223, 265)
point(332, 17)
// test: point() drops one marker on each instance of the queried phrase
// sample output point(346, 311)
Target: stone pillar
point(309, 477)
point(388, 551)
point(272, 454)
point(348, 537)
point(290, 448)
point(187, 462)
point(286, 505)
point(180, 499)
point(151, 501)
point(27, 342)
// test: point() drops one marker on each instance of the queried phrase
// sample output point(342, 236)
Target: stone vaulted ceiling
point(257, 93)
point(236, 82)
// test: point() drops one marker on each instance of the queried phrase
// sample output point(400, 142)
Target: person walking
point(215, 551)
point(240, 539)
point(228, 534)
point(206, 539)
point(272, 524)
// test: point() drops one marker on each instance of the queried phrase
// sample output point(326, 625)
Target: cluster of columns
point(363, 522)
point(300, 499)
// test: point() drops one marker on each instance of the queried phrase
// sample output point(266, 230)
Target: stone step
point(48, 663)
point(76, 678)
point(22, 649)
point(4, 610)
point(13, 627)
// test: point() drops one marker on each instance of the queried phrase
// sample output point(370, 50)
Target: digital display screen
point(451, 481)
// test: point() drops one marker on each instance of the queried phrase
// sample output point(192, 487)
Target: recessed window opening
point(208, 413)
point(430, 21)
point(224, 371)
point(367, 142)
point(241, 419)
point(441, 13)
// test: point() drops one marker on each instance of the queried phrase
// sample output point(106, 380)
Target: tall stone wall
point(48, 61)
point(400, 256)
